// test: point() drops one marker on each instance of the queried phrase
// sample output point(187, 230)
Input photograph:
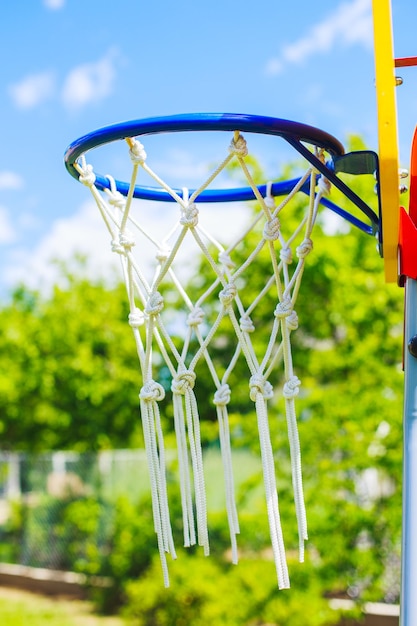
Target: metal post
point(408, 613)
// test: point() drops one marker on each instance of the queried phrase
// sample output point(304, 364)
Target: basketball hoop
point(121, 205)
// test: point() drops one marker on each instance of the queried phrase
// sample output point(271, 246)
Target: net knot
point(222, 395)
point(185, 380)
point(155, 304)
point(304, 248)
point(196, 316)
point(283, 309)
point(246, 324)
point(123, 245)
point(87, 176)
point(136, 318)
point(292, 321)
point(189, 216)
point(228, 294)
point(116, 247)
point(238, 146)
point(269, 202)
point(257, 384)
point(126, 241)
point(324, 185)
point(225, 260)
point(291, 387)
point(115, 197)
point(137, 152)
point(152, 391)
point(271, 229)
point(285, 254)
point(162, 254)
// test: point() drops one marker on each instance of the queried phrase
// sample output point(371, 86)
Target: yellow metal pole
point(387, 133)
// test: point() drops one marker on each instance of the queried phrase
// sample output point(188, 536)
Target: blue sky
point(70, 67)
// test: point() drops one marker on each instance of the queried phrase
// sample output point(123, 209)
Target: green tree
point(69, 376)
point(347, 353)
point(205, 592)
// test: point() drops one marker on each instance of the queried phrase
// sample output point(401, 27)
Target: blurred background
point(74, 491)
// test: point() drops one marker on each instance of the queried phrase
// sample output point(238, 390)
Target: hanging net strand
point(200, 322)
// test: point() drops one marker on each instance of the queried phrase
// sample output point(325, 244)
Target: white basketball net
point(155, 346)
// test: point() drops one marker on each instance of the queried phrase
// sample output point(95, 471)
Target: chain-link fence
point(58, 510)
point(52, 504)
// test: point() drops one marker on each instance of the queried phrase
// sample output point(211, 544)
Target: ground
point(21, 608)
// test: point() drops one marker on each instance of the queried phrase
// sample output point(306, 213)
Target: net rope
point(153, 336)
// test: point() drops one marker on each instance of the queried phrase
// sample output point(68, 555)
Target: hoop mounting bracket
point(407, 248)
point(407, 244)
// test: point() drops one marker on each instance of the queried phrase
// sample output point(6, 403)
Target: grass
point(19, 608)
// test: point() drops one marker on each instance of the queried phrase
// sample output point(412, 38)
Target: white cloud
point(54, 5)
point(350, 24)
point(7, 232)
point(180, 167)
point(33, 90)
point(83, 233)
point(90, 82)
point(85, 83)
point(10, 180)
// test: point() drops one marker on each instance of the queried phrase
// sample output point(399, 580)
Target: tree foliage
point(68, 370)
point(69, 379)
point(203, 592)
point(347, 352)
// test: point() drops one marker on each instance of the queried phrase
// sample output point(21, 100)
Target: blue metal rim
point(294, 133)
point(196, 122)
